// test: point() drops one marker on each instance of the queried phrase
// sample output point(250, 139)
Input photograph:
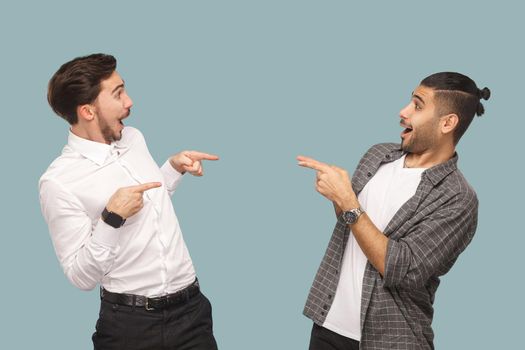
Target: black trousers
point(325, 339)
point(181, 327)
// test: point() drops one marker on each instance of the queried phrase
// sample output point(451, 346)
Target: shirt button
point(322, 313)
point(325, 307)
point(369, 174)
point(329, 296)
point(387, 156)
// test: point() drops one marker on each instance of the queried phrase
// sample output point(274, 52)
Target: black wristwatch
point(112, 219)
point(350, 217)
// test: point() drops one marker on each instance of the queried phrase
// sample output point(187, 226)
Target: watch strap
point(112, 219)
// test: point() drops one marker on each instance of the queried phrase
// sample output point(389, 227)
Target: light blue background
point(259, 82)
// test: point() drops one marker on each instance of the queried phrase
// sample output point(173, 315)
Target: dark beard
point(107, 133)
point(406, 147)
point(419, 142)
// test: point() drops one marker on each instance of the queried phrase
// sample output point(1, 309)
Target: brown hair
point(77, 82)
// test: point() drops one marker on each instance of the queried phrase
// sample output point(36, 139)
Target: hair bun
point(480, 109)
point(484, 93)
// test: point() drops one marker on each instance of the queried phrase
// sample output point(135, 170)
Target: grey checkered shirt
point(426, 236)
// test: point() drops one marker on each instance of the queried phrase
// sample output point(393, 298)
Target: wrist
point(177, 168)
point(351, 216)
point(111, 218)
point(348, 203)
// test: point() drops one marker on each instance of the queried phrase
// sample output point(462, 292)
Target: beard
point(108, 133)
point(420, 140)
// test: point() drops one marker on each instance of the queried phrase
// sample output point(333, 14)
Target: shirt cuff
point(105, 234)
point(171, 176)
point(397, 263)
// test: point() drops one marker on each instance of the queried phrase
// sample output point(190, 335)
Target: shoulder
point(56, 183)
point(59, 168)
point(378, 151)
point(131, 135)
point(383, 148)
point(457, 185)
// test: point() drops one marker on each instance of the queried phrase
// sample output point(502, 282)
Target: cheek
point(113, 111)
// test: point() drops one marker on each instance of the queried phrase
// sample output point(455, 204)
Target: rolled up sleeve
point(432, 246)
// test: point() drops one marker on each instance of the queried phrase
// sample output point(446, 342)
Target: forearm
point(334, 183)
point(372, 241)
point(172, 177)
point(337, 210)
point(86, 265)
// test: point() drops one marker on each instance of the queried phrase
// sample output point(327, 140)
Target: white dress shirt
point(147, 256)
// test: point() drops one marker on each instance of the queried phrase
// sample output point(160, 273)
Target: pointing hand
point(190, 161)
point(127, 201)
point(332, 182)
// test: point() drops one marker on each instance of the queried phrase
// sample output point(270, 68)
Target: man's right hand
point(127, 201)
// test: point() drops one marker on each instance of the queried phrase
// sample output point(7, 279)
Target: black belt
point(157, 303)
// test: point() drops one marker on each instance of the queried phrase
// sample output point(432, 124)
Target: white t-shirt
point(381, 198)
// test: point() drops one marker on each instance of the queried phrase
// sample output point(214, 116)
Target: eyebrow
point(417, 97)
point(118, 87)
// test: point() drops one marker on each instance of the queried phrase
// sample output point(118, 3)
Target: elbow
point(401, 270)
point(81, 282)
point(410, 280)
point(82, 285)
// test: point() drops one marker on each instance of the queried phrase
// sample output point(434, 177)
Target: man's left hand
point(332, 182)
point(190, 161)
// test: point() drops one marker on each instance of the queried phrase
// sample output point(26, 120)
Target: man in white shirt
point(111, 220)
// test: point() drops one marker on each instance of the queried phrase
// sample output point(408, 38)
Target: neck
point(429, 158)
point(86, 133)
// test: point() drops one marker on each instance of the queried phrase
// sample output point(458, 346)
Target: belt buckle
point(147, 306)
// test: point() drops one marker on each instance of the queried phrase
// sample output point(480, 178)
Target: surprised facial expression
point(421, 124)
point(112, 106)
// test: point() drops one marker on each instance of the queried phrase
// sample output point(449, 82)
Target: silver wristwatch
point(350, 217)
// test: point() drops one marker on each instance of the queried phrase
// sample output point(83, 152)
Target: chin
point(403, 145)
point(406, 147)
point(116, 136)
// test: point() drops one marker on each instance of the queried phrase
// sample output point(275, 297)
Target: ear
point(86, 112)
point(449, 123)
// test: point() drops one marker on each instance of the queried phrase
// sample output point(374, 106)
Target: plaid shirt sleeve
point(432, 246)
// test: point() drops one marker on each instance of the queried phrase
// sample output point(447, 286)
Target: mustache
point(404, 125)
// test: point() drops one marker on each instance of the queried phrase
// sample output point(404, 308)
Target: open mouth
point(407, 130)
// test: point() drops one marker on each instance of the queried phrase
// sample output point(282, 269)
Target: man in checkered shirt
point(403, 219)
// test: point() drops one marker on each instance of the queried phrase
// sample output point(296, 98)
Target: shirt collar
point(436, 173)
point(440, 171)
point(94, 151)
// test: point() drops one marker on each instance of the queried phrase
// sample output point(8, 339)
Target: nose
point(404, 112)
point(128, 103)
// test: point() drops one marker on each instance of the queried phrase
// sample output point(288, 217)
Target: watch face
point(350, 217)
point(112, 219)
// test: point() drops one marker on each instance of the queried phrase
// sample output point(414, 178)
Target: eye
point(417, 106)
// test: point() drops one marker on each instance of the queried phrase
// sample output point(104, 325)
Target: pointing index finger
point(146, 186)
point(195, 155)
point(312, 163)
